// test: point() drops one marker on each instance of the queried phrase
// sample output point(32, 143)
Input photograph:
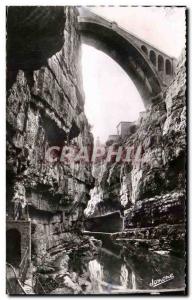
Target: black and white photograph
point(96, 150)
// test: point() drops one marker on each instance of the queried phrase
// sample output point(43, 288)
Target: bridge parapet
point(164, 64)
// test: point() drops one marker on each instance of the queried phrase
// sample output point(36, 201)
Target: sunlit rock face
point(92, 205)
point(45, 107)
point(151, 190)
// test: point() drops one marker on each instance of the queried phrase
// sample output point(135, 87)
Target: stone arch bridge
point(149, 68)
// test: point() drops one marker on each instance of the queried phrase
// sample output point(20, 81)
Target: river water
point(116, 270)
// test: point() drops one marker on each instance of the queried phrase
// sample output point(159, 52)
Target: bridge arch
point(168, 66)
point(160, 63)
point(127, 55)
point(144, 49)
point(138, 59)
point(152, 57)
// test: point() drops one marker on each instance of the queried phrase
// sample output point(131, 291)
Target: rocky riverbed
point(64, 269)
point(116, 266)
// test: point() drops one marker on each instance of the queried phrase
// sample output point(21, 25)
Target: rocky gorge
point(150, 188)
point(45, 108)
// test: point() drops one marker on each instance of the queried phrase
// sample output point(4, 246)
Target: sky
point(110, 95)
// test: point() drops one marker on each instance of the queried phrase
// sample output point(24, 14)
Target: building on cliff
point(125, 128)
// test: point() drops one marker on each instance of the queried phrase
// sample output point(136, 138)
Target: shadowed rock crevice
point(33, 35)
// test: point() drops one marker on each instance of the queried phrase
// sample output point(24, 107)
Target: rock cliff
point(45, 108)
point(150, 186)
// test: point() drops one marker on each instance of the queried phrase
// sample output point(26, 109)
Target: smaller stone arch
point(18, 233)
point(144, 49)
point(160, 63)
point(168, 67)
point(152, 57)
point(13, 247)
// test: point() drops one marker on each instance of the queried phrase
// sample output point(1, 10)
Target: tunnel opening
point(13, 250)
point(109, 223)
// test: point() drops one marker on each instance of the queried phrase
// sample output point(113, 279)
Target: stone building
point(125, 128)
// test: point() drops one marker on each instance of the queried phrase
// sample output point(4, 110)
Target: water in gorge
point(117, 270)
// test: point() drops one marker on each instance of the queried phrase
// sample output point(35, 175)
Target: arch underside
point(126, 55)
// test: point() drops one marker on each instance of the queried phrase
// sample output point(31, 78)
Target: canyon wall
point(45, 108)
point(150, 187)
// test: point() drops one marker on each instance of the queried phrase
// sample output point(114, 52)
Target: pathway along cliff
point(50, 206)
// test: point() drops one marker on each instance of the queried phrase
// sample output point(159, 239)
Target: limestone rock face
point(93, 204)
point(150, 186)
point(45, 108)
